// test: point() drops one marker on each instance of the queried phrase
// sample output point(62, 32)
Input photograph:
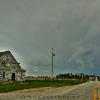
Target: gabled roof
point(4, 66)
point(6, 52)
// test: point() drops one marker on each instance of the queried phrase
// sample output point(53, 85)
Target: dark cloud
point(31, 28)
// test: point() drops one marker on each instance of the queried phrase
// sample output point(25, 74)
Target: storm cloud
point(30, 28)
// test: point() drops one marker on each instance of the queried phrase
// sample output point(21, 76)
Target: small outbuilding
point(10, 69)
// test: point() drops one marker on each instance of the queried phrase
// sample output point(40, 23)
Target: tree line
point(78, 76)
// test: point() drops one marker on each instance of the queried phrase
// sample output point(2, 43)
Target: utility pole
point(53, 54)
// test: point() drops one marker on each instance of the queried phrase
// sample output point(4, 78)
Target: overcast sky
point(30, 28)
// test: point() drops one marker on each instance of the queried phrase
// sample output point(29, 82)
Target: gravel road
point(29, 94)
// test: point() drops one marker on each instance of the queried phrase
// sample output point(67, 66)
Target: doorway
point(3, 75)
point(13, 77)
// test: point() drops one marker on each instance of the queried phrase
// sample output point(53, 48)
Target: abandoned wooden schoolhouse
point(10, 69)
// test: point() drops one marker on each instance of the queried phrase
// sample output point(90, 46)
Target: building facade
point(10, 70)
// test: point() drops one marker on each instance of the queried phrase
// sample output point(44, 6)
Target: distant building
point(10, 69)
point(91, 78)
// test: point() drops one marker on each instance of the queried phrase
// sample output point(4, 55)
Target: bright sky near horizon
point(30, 28)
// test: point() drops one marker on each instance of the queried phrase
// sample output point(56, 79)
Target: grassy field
point(36, 84)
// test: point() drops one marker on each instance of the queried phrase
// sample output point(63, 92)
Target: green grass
point(36, 84)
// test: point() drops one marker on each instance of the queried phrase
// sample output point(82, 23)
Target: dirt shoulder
point(39, 91)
